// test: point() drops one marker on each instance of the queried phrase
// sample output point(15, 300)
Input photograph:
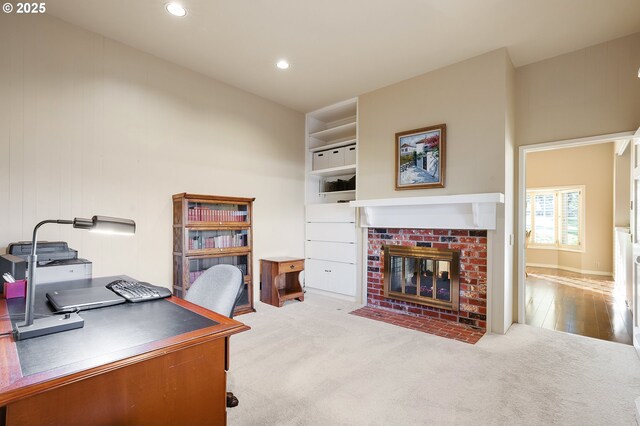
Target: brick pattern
point(443, 328)
point(472, 245)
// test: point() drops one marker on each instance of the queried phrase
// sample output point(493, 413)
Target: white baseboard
point(567, 268)
point(330, 294)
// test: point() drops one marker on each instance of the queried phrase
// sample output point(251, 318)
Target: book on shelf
point(199, 242)
point(205, 214)
point(193, 275)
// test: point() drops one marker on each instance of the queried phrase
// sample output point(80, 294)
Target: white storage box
point(336, 157)
point(349, 155)
point(320, 160)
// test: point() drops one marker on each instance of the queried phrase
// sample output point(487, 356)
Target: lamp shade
point(113, 225)
point(106, 225)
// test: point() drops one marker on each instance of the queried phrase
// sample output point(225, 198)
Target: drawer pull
point(292, 266)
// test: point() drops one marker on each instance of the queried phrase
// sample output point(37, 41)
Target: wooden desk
point(160, 362)
point(279, 280)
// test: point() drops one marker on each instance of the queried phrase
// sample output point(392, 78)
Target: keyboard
point(135, 291)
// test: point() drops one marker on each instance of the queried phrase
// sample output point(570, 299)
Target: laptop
point(81, 299)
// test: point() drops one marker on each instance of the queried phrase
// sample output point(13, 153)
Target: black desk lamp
point(53, 324)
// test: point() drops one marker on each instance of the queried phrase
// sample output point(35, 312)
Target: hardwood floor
point(557, 303)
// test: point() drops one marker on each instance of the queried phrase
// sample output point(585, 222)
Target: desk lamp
point(53, 324)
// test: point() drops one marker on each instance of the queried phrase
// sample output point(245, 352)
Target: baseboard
point(567, 268)
point(330, 294)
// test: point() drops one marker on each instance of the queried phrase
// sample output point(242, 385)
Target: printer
point(56, 261)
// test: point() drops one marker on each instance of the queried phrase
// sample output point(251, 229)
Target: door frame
point(522, 153)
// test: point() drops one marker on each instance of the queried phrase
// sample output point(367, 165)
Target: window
point(555, 217)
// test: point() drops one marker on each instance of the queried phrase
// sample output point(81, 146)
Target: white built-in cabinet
point(332, 241)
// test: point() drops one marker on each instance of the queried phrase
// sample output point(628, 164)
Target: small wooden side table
point(279, 280)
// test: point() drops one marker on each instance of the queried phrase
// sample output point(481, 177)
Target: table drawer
point(293, 266)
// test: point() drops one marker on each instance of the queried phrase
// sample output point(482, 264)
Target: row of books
point(194, 275)
point(205, 214)
point(221, 241)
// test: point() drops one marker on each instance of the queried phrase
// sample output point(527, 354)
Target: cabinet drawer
point(336, 157)
point(337, 252)
point(336, 232)
point(331, 276)
point(296, 265)
point(320, 160)
point(350, 155)
point(333, 212)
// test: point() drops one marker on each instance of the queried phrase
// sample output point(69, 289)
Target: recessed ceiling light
point(175, 9)
point(282, 64)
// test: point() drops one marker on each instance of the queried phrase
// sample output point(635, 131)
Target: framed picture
point(420, 159)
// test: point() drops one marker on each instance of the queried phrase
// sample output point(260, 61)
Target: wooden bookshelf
point(210, 230)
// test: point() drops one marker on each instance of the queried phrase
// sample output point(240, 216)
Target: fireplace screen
point(423, 275)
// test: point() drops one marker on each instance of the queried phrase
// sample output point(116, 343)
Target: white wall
point(91, 126)
point(622, 188)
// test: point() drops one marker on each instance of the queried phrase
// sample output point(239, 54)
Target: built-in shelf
point(335, 171)
point(334, 145)
point(338, 132)
point(331, 149)
point(348, 191)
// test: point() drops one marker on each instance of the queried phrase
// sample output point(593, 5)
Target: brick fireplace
point(472, 248)
point(463, 223)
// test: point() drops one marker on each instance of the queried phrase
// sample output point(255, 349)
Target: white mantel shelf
point(462, 211)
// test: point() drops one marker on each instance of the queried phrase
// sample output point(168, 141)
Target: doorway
point(566, 234)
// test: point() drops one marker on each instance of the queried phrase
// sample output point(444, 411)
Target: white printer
point(56, 261)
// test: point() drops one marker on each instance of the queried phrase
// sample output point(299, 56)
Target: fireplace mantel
point(462, 211)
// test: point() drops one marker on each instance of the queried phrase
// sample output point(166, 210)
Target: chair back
point(218, 289)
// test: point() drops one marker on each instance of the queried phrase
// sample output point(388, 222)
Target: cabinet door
point(336, 252)
point(330, 276)
point(337, 232)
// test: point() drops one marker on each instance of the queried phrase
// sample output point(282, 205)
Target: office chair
point(218, 289)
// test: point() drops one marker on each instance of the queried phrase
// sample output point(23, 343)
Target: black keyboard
point(135, 291)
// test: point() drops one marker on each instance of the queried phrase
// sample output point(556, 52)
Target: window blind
point(569, 218)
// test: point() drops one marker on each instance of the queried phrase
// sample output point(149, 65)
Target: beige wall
point(469, 97)
point(475, 100)
point(591, 166)
point(91, 126)
point(589, 92)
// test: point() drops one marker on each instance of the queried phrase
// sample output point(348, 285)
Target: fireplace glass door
point(426, 277)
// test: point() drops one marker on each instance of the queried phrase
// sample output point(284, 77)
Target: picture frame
point(420, 158)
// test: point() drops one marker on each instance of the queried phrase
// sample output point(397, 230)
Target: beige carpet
point(312, 363)
point(598, 285)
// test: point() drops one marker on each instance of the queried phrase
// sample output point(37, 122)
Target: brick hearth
point(473, 272)
point(451, 330)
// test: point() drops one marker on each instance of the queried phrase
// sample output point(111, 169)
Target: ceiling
point(343, 48)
